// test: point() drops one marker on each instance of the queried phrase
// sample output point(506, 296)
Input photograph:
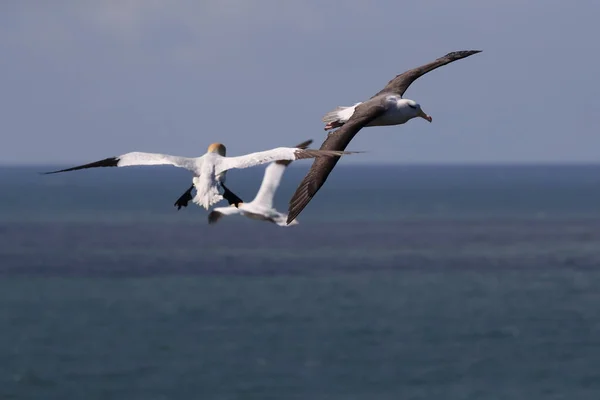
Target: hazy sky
point(84, 80)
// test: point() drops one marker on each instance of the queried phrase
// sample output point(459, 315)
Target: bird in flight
point(208, 167)
point(387, 107)
point(261, 208)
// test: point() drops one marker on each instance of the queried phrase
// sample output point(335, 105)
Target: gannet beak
point(424, 116)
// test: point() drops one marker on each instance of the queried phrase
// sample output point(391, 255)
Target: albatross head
point(218, 148)
point(415, 110)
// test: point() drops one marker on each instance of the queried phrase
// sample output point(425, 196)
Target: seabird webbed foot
point(184, 199)
point(231, 197)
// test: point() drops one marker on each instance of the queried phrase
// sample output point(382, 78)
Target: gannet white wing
point(217, 213)
point(279, 153)
point(138, 158)
point(270, 183)
point(272, 179)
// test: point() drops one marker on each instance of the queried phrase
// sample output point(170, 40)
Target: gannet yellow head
point(218, 148)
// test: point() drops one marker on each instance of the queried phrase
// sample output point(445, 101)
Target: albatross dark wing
point(322, 166)
point(107, 162)
point(401, 82)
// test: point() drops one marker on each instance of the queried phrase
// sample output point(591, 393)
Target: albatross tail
point(338, 117)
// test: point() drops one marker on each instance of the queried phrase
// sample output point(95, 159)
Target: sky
point(83, 80)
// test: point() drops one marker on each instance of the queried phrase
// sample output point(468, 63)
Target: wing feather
point(216, 214)
point(279, 153)
point(302, 145)
point(272, 179)
point(322, 166)
point(401, 82)
point(137, 158)
point(270, 183)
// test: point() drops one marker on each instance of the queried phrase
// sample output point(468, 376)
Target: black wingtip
point(288, 220)
point(214, 217)
point(462, 53)
point(107, 162)
point(293, 214)
point(299, 201)
point(51, 172)
point(304, 145)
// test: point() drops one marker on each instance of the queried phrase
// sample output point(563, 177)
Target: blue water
point(405, 282)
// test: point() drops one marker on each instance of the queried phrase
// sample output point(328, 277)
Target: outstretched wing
point(216, 214)
point(336, 140)
point(303, 145)
point(401, 82)
point(137, 158)
point(272, 179)
point(269, 185)
point(279, 153)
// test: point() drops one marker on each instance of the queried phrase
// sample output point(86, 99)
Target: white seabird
point(261, 207)
point(387, 107)
point(228, 195)
point(209, 167)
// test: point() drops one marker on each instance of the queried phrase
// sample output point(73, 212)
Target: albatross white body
point(398, 111)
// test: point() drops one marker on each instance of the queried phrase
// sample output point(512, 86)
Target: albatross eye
point(411, 106)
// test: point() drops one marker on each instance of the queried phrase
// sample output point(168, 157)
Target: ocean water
point(401, 282)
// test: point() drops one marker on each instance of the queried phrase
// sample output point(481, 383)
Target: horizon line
point(368, 164)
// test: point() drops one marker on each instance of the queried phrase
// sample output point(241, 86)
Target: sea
point(400, 282)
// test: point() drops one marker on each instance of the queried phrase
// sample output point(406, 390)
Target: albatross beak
point(424, 116)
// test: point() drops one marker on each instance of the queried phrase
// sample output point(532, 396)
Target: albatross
point(209, 167)
point(386, 107)
point(261, 207)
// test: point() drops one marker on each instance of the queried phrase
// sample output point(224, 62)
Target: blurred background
point(453, 260)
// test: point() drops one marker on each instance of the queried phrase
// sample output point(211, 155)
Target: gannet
point(208, 167)
point(261, 208)
point(228, 195)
